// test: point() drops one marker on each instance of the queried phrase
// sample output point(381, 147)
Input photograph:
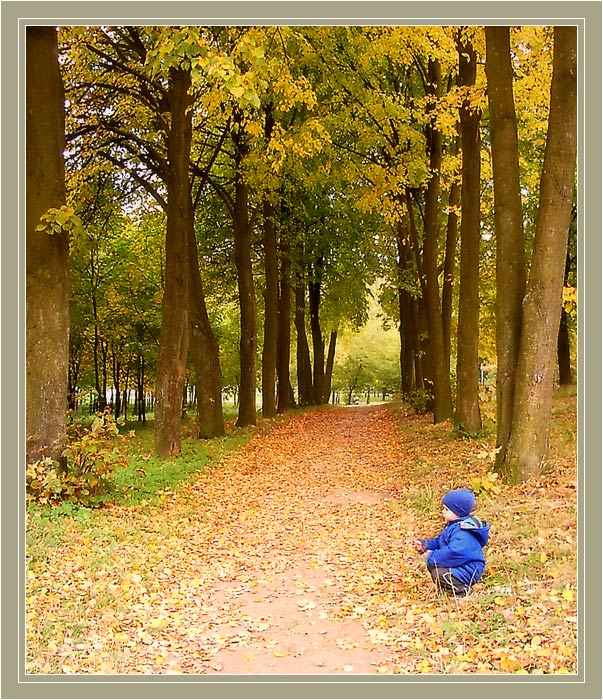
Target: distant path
point(293, 550)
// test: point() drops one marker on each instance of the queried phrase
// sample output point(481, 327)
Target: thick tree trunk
point(510, 252)
point(47, 294)
point(304, 363)
point(286, 397)
point(440, 375)
point(248, 340)
point(173, 343)
point(467, 368)
point(528, 441)
point(205, 352)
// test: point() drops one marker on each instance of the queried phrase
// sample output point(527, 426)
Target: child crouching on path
point(455, 559)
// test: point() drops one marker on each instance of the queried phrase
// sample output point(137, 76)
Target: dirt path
point(294, 549)
point(292, 556)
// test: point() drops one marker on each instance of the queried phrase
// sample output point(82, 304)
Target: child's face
point(449, 516)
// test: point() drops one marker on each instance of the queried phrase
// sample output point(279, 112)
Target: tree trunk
point(467, 367)
point(205, 351)
point(440, 375)
point(449, 261)
point(405, 303)
point(47, 294)
point(563, 352)
point(318, 343)
point(173, 343)
point(73, 374)
point(329, 367)
point(563, 343)
point(271, 298)
point(528, 441)
point(140, 380)
point(271, 311)
point(242, 240)
point(304, 364)
point(510, 252)
point(417, 316)
point(116, 364)
point(286, 398)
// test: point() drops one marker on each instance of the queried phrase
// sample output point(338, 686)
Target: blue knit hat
point(460, 501)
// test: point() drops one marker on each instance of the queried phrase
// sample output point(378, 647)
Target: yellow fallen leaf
point(568, 594)
point(159, 623)
point(543, 557)
point(280, 654)
point(159, 659)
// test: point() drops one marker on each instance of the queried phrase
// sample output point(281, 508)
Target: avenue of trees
point(220, 205)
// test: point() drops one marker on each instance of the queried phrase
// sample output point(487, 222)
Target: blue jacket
point(459, 547)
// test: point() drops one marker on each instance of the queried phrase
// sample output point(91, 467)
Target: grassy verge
point(143, 482)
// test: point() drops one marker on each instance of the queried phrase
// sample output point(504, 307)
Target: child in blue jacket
point(455, 559)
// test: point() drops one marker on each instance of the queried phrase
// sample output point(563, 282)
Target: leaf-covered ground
point(293, 556)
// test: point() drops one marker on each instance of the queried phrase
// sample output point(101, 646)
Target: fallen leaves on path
point(293, 557)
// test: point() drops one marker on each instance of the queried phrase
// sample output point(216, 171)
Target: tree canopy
point(257, 182)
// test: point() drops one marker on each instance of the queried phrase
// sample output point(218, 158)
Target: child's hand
point(425, 555)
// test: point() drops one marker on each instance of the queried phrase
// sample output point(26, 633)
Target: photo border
point(587, 15)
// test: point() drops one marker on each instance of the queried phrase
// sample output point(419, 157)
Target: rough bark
point(510, 251)
point(173, 343)
point(528, 441)
point(467, 368)
point(47, 294)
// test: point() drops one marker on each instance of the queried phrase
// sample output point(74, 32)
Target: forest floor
point(293, 556)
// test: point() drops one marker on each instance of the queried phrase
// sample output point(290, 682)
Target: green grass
point(146, 476)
